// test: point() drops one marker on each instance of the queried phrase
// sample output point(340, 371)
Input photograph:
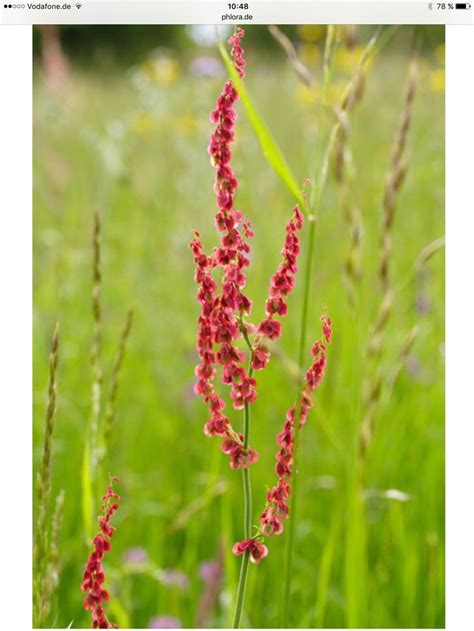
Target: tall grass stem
point(393, 184)
point(314, 201)
point(41, 542)
point(319, 183)
point(97, 337)
point(91, 452)
point(111, 406)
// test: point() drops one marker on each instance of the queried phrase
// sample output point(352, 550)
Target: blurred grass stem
point(314, 203)
point(114, 383)
point(41, 546)
point(91, 452)
point(319, 183)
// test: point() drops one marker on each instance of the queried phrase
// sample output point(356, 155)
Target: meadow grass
point(137, 152)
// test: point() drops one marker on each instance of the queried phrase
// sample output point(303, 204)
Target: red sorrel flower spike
point(93, 578)
point(283, 281)
point(237, 51)
point(327, 330)
point(220, 321)
point(276, 507)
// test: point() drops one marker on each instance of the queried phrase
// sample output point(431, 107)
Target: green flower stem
point(246, 477)
point(292, 507)
point(244, 568)
point(247, 524)
point(241, 589)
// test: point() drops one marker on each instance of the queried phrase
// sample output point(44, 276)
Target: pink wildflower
point(260, 358)
point(220, 320)
point(238, 52)
point(283, 281)
point(270, 328)
point(93, 579)
point(254, 547)
point(276, 507)
point(240, 457)
point(222, 324)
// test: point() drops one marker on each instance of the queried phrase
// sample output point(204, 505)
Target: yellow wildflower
point(440, 52)
point(311, 32)
point(143, 123)
point(307, 95)
point(346, 59)
point(187, 125)
point(310, 54)
point(437, 80)
point(161, 69)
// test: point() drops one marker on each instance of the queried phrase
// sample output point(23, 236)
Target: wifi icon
point(78, 6)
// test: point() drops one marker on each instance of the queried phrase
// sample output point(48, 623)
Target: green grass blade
point(119, 614)
point(325, 568)
point(86, 490)
point(269, 147)
point(230, 562)
point(356, 561)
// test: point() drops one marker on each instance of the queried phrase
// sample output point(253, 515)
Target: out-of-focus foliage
point(108, 46)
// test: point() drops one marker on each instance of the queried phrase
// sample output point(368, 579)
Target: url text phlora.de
point(237, 17)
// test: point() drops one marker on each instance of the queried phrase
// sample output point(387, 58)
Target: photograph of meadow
point(238, 331)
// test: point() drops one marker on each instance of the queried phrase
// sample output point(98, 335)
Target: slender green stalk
point(308, 275)
point(356, 554)
point(41, 546)
point(246, 477)
point(244, 568)
point(322, 161)
point(54, 561)
point(302, 346)
point(307, 290)
point(298, 66)
point(91, 453)
point(247, 519)
point(114, 382)
point(97, 340)
point(326, 564)
point(394, 181)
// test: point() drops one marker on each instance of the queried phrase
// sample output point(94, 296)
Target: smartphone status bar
point(235, 12)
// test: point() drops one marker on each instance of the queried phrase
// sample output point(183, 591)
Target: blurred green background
point(121, 125)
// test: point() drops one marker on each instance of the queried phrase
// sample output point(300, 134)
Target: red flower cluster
point(219, 318)
point(240, 458)
point(282, 282)
point(221, 321)
point(276, 508)
point(237, 51)
point(255, 548)
point(94, 578)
